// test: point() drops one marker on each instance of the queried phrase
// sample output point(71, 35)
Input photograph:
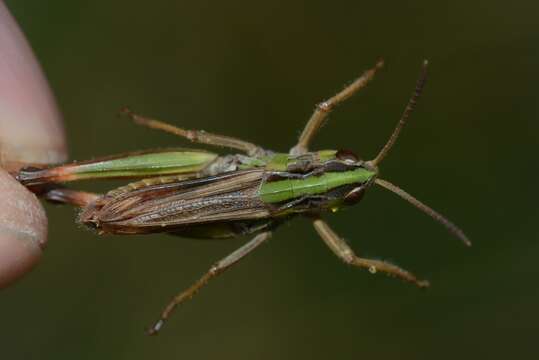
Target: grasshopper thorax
point(315, 182)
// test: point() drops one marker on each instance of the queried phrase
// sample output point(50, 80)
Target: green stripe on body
point(281, 190)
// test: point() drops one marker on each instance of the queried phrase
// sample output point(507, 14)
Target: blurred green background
point(255, 70)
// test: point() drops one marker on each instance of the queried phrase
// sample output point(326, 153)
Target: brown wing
point(166, 207)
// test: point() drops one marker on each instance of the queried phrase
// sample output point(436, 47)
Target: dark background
point(255, 70)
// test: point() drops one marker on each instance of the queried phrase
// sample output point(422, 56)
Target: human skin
point(31, 132)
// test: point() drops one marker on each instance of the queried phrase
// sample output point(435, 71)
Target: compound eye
point(347, 156)
point(354, 196)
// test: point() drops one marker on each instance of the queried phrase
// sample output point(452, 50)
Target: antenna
point(454, 229)
point(407, 111)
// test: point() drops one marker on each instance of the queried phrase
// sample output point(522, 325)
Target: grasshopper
point(200, 194)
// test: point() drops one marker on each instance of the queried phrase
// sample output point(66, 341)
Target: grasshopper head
point(364, 176)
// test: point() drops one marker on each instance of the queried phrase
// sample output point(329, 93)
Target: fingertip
point(23, 230)
point(31, 128)
point(18, 255)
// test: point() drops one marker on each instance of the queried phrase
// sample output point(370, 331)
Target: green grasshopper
point(200, 194)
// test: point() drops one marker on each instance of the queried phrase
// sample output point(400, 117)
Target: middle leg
point(214, 271)
point(196, 136)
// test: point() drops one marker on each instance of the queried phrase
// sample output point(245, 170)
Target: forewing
point(226, 197)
